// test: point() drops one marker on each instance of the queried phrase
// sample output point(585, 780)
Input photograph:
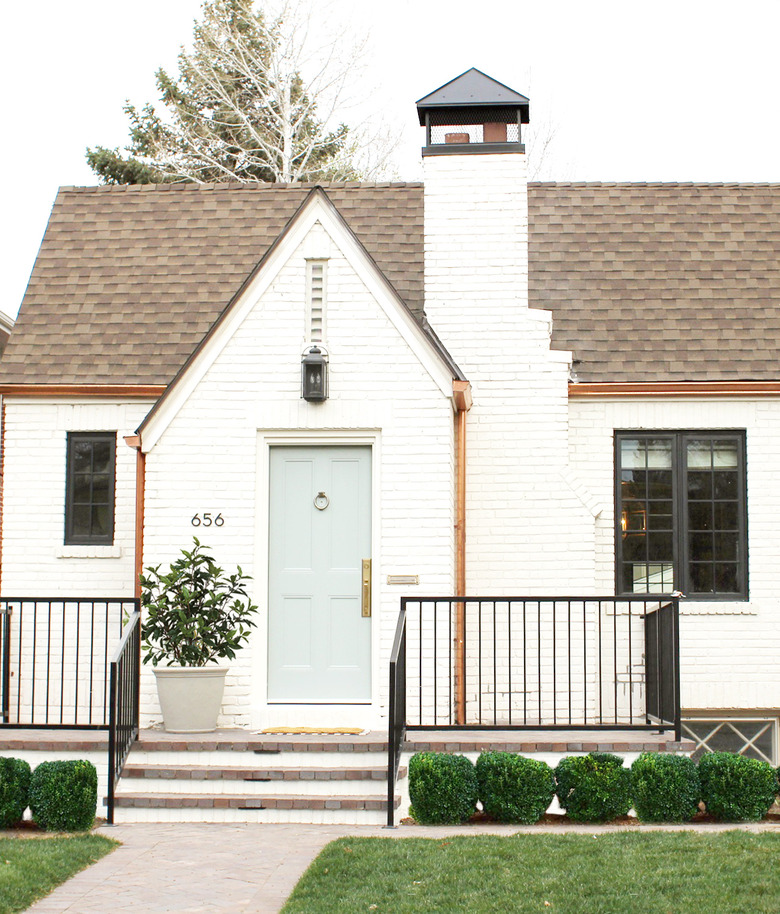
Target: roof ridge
point(234, 186)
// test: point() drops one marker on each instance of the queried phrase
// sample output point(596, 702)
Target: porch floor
point(523, 741)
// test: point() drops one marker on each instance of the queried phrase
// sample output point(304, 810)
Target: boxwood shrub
point(63, 795)
point(735, 788)
point(594, 787)
point(513, 788)
point(14, 790)
point(442, 788)
point(665, 787)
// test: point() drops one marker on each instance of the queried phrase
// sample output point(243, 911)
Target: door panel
point(319, 645)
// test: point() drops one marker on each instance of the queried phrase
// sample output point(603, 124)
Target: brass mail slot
point(365, 589)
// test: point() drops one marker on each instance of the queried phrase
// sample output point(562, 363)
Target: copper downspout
point(2, 481)
point(462, 395)
point(134, 441)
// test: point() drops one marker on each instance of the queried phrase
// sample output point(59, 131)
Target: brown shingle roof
point(660, 282)
point(647, 282)
point(129, 279)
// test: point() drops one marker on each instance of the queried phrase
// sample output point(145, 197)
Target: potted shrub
point(194, 615)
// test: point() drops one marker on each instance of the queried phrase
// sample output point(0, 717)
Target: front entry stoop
point(239, 776)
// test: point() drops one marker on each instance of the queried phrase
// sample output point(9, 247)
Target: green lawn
point(617, 873)
point(31, 867)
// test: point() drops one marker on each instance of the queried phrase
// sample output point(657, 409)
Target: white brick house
point(555, 335)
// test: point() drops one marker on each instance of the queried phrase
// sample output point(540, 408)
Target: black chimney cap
point(473, 89)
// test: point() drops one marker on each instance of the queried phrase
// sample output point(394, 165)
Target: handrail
point(124, 703)
point(396, 730)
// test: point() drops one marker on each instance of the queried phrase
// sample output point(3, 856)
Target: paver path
point(223, 868)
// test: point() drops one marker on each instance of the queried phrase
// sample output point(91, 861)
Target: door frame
point(272, 714)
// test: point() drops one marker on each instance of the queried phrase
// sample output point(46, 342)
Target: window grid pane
point(681, 513)
point(89, 495)
point(647, 532)
point(712, 489)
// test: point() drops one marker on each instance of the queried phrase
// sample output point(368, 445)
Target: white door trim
point(264, 713)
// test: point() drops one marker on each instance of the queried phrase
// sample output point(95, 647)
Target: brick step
point(232, 773)
point(240, 741)
point(245, 802)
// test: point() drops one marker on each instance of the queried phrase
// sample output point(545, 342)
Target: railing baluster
point(539, 658)
point(479, 663)
point(420, 680)
point(19, 664)
point(77, 657)
point(601, 677)
point(555, 664)
point(509, 656)
point(435, 663)
point(495, 668)
point(48, 659)
point(449, 661)
point(35, 645)
point(525, 668)
point(62, 667)
point(568, 652)
point(630, 666)
point(615, 657)
point(464, 661)
point(584, 661)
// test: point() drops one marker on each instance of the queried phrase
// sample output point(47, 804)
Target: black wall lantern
point(314, 376)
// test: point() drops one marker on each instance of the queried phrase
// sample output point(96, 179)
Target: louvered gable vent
point(315, 283)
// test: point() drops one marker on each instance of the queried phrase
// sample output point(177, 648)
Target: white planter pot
point(190, 697)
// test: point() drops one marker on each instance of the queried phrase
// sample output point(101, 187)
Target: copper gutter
point(134, 441)
point(675, 389)
point(461, 391)
point(144, 391)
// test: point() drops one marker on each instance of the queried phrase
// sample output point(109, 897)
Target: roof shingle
point(646, 282)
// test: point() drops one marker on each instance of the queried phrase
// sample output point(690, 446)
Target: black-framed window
point(681, 513)
point(89, 491)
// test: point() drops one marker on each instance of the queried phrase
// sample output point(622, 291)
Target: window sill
point(88, 552)
point(717, 608)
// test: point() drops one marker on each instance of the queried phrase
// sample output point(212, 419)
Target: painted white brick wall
point(34, 560)
point(728, 649)
point(207, 459)
point(521, 515)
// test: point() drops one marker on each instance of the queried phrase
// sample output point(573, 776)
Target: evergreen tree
point(238, 111)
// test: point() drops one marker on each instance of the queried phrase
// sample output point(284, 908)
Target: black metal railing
point(397, 710)
point(124, 704)
point(55, 657)
point(533, 663)
point(59, 668)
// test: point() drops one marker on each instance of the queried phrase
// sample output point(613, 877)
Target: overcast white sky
point(636, 91)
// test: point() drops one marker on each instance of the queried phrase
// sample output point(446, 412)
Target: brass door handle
point(365, 589)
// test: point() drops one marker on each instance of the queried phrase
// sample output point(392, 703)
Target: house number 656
point(207, 520)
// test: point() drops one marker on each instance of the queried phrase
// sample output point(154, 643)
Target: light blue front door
point(319, 643)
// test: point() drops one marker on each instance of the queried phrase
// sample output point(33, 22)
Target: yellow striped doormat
point(316, 731)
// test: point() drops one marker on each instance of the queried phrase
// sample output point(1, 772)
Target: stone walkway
point(231, 868)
